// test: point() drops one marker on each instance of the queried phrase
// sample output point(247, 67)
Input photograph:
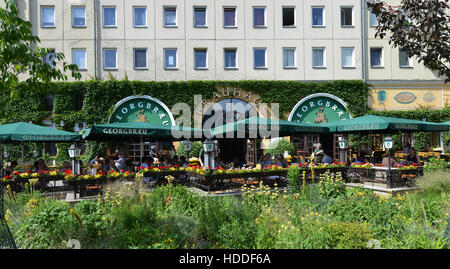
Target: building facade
point(233, 40)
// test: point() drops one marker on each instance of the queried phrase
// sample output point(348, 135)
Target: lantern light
point(74, 151)
point(343, 142)
point(388, 142)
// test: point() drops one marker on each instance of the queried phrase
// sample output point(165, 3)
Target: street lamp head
point(5, 154)
point(388, 142)
point(208, 145)
point(74, 151)
point(343, 142)
point(36, 153)
point(187, 145)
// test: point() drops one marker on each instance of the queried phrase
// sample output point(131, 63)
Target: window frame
point(265, 16)
point(410, 60)
point(370, 20)
point(323, 17)
point(235, 17)
point(134, 59)
point(352, 17)
point(265, 58)
point(206, 16)
point(381, 57)
point(176, 59)
point(324, 58)
point(42, 7)
point(295, 17)
point(206, 59)
point(73, 18)
point(353, 65)
point(176, 16)
point(104, 59)
point(85, 58)
point(45, 60)
point(115, 17)
point(236, 67)
point(134, 17)
point(295, 57)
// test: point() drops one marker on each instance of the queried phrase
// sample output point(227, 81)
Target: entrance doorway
point(224, 112)
point(232, 150)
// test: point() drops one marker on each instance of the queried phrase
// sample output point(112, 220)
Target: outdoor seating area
point(390, 168)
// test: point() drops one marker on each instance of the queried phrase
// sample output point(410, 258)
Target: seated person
point(183, 162)
point(237, 163)
point(327, 159)
point(361, 158)
point(144, 163)
point(412, 157)
point(266, 160)
point(385, 162)
point(10, 169)
point(66, 167)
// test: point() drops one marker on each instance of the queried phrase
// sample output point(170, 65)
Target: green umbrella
point(374, 124)
point(256, 127)
point(135, 131)
point(27, 132)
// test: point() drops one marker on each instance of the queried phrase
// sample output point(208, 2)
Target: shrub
point(349, 235)
point(331, 185)
point(279, 147)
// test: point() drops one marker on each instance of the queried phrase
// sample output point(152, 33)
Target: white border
point(291, 115)
point(126, 99)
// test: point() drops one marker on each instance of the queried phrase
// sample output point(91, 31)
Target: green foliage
point(280, 146)
point(196, 147)
point(331, 186)
point(293, 176)
point(436, 164)
point(349, 235)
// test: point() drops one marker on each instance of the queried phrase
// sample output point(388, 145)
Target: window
point(289, 57)
point(170, 16)
point(110, 58)
point(229, 17)
point(140, 16)
point(376, 57)
point(199, 16)
point(346, 16)
point(79, 58)
point(230, 58)
point(109, 16)
point(259, 58)
point(317, 16)
point(170, 58)
point(318, 59)
point(288, 16)
point(200, 58)
point(48, 16)
point(259, 17)
point(347, 58)
point(404, 60)
point(373, 20)
point(78, 16)
point(140, 58)
point(50, 57)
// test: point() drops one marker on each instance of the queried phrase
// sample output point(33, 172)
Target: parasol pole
point(21, 147)
point(141, 148)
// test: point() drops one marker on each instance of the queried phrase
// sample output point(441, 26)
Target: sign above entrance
point(141, 109)
point(319, 108)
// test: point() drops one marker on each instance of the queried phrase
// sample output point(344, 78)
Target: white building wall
point(214, 37)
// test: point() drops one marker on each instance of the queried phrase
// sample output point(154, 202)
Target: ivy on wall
point(92, 101)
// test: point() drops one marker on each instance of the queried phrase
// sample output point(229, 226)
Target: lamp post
point(389, 144)
point(187, 148)
point(74, 152)
point(209, 147)
point(5, 157)
point(343, 145)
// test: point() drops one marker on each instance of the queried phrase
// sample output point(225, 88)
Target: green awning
point(135, 130)
point(27, 132)
point(373, 123)
point(256, 127)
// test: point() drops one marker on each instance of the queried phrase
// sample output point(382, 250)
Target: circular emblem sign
point(319, 108)
point(141, 109)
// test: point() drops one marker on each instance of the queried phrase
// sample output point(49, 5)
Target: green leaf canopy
point(135, 130)
point(380, 124)
point(256, 127)
point(27, 132)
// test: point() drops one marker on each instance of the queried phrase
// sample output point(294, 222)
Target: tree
point(21, 60)
point(420, 28)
